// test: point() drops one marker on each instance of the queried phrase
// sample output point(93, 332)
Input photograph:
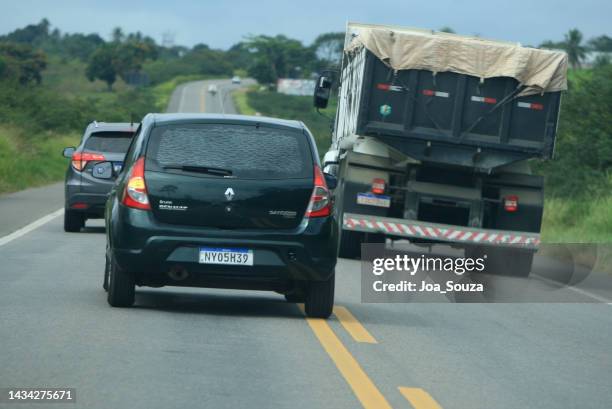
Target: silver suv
point(103, 144)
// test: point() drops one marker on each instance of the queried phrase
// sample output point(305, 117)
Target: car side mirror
point(67, 153)
point(331, 181)
point(103, 170)
point(322, 92)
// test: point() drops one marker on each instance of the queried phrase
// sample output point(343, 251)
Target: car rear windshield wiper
point(200, 169)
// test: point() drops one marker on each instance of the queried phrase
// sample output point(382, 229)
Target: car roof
point(113, 126)
point(173, 118)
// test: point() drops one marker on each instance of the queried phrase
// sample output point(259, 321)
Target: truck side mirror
point(322, 91)
point(67, 152)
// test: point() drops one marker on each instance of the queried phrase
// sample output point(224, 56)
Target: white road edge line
point(30, 227)
point(578, 290)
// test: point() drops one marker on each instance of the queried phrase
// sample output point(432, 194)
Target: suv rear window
point(247, 151)
point(111, 142)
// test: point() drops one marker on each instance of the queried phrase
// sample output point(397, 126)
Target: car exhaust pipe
point(178, 273)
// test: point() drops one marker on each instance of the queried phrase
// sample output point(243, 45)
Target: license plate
point(226, 256)
point(370, 199)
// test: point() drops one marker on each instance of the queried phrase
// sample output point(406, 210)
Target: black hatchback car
point(223, 201)
point(85, 193)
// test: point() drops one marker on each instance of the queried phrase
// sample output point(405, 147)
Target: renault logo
point(229, 194)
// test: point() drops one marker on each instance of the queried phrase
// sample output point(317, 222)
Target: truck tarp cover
point(403, 49)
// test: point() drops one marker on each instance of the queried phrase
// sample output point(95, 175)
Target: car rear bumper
point(152, 250)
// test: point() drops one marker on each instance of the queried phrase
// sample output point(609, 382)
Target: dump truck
point(433, 139)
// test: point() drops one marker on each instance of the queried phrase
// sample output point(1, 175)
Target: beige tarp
point(401, 49)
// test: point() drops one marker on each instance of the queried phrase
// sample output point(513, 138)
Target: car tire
point(121, 286)
point(73, 221)
point(106, 273)
point(319, 301)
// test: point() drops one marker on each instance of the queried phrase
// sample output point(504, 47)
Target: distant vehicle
point(222, 201)
point(438, 150)
point(85, 194)
point(236, 79)
point(212, 88)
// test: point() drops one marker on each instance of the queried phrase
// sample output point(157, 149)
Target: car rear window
point(248, 151)
point(111, 142)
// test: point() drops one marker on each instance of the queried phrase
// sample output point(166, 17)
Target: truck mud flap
point(439, 232)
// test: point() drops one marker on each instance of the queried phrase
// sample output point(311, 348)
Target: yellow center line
point(362, 386)
point(419, 398)
point(353, 326)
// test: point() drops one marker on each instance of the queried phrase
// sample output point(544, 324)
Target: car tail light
point(511, 203)
point(320, 202)
point(378, 186)
point(135, 194)
point(79, 205)
point(80, 159)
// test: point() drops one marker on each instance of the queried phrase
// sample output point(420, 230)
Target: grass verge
point(31, 160)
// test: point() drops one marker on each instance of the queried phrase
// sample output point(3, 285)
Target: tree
point(278, 57)
point(22, 62)
point(328, 49)
point(602, 44)
point(101, 66)
point(447, 29)
point(574, 48)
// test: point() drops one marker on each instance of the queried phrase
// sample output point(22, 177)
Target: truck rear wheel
point(350, 244)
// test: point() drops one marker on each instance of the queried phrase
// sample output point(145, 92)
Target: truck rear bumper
point(439, 232)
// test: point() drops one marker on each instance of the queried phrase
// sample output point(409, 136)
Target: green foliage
point(278, 57)
point(328, 49)
point(21, 63)
point(583, 157)
point(101, 66)
point(602, 44)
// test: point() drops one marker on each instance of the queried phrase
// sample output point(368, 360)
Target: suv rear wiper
point(200, 169)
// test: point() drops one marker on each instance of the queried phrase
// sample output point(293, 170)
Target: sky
point(223, 23)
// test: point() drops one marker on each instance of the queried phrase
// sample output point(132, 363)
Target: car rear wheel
point(319, 301)
point(121, 286)
point(73, 221)
point(350, 244)
point(106, 273)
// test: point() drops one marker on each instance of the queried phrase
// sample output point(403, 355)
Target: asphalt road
point(233, 349)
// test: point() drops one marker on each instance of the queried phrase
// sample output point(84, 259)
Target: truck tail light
point(511, 203)
point(135, 194)
point(320, 202)
point(378, 186)
point(80, 159)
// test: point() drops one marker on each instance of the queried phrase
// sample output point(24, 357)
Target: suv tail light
point(135, 194)
point(378, 186)
point(320, 202)
point(80, 159)
point(511, 203)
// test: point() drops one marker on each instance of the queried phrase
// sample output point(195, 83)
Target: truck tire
point(350, 244)
point(73, 221)
point(504, 261)
point(121, 286)
point(319, 301)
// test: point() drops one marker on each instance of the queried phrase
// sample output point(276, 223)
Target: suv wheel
point(73, 221)
point(121, 286)
point(319, 301)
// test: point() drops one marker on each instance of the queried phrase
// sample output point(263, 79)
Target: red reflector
point(384, 87)
point(490, 100)
point(538, 107)
point(429, 92)
point(378, 186)
point(511, 203)
point(79, 206)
